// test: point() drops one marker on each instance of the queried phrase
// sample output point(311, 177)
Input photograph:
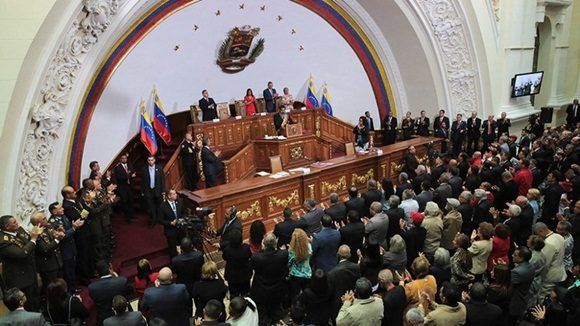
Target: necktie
point(174, 208)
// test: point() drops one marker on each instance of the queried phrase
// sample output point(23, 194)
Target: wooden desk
point(264, 198)
point(294, 152)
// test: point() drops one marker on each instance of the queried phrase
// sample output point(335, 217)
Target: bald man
point(342, 278)
point(166, 300)
point(48, 258)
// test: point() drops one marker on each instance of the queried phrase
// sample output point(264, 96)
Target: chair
point(240, 108)
point(349, 147)
point(275, 164)
point(194, 110)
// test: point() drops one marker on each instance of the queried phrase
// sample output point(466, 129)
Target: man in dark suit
point(369, 121)
point(310, 221)
point(68, 248)
point(187, 265)
point(395, 214)
point(522, 276)
point(208, 107)
point(48, 259)
point(211, 164)
point(466, 210)
point(552, 194)
point(473, 133)
point(212, 312)
point(270, 96)
point(372, 194)
point(324, 246)
point(488, 128)
point(336, 210)
point(17, 256)
point(171, 212)
point(411, 162)
point(189, 152)
point(123, 317)
point(503, 126)
point(104, 289)
point(441, 122)
point(342, 278)
point(422, 124)
point(283, 230)
point(481, 212)
point(479, 311)
point(74, 211)
point(232, 222)
point(458, 131)
point(443, 191)
point(394, 299)
point(167, 301)
point(353, 233)
point(355, 203)
point(16, 301)
point(269, 283)
point(573, 114)
point(152, 188)
point(389, 129)
point(123, 174)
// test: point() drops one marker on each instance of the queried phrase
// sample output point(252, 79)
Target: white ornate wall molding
point(47, 115)
point(383, 48)
point(443, 19)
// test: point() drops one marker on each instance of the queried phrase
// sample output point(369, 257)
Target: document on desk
point(279, 175)
point(263, 173)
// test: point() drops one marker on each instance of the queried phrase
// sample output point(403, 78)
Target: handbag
point(70, 321)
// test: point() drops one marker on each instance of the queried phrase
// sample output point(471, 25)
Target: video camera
point(196, 221)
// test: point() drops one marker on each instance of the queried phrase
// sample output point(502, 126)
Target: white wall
point(181, 75)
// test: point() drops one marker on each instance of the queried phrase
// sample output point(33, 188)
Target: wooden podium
point(293, 130)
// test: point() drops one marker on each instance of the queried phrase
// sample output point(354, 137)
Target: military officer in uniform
point(189, 153)
point(48, 257)
point(17, 255)
point(68, 248)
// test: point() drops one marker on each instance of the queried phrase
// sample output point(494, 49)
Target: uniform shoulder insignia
point(6, 238)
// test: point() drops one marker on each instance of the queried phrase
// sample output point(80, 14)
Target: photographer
point(171, 212)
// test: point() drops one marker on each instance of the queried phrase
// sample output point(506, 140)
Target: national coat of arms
point(236, 51)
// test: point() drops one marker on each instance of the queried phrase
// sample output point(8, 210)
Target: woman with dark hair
point(61, 307)
point(370, 262)
point(361, 134)
point(257, 232)
point(499, 291)
point(315, 300)
point(237, 271)
point(500, 247)
point(461, 262)
point(250, 102)
point(472, 180)
point(388, 190)
point(145, 278)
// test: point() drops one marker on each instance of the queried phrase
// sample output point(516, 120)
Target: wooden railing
point(241, 165)
point(333, 130)
point(173, 171)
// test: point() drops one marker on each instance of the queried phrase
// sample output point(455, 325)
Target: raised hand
point(539, 312)
point(36, 232)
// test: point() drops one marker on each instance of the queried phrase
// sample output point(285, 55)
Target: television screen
point(527, 84)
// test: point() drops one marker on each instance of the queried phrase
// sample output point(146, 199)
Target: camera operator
point(231, 223)
point(171, 212)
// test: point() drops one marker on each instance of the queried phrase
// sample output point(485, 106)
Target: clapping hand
point(402, 224)
point(347, 297)
point(78, 223)
point(59, 235)
point(473, 235)
point(36, 232)
point(539, 312)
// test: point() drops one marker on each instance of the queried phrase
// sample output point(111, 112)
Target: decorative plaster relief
point(47, 115)
point(447, 26)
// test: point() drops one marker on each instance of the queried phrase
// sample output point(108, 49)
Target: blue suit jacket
point(168, 302)
point(270, 105)
point(324, 247)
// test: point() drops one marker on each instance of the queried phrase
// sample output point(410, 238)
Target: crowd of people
point(468, 236)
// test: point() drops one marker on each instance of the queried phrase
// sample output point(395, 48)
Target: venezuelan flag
point(160, 122)
point(325, 101)
point(311, 101)
point(147, 132)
